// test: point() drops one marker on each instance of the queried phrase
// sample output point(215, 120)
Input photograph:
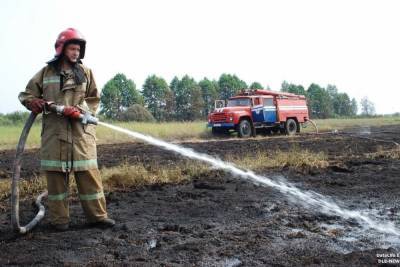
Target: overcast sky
point(352, 44)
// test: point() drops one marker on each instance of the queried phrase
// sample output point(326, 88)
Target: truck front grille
point(219, 117)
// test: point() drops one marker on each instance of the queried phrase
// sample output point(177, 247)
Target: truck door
point(269, 110)
point(257, 110)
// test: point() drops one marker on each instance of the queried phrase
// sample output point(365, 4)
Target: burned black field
point(222, 220)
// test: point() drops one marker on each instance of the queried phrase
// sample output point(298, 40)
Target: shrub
point(18, 116)
point(136, 112)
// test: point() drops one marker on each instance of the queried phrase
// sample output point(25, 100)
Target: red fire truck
point(259, 110)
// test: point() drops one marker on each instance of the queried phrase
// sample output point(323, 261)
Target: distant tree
point(320, 103)
point(174, 84)
point(229, 85)
point(354, 107)
point(285, 86)
point(293, 88)
point(256, 85)
point(188, 98)
point(117, 95)
point(324, 103)
point(170, 106)
point(181, 98)
point(340, 101)
point(196, 103)
point(346, 105)
point(155, 92)
point(173, 98)
point(209, 91)
point(367, 107)
point(332, 91)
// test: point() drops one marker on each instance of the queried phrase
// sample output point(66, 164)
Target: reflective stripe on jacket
point(65, 144)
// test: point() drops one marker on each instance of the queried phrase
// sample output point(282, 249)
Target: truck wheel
point(244, 129)
point(291, 127)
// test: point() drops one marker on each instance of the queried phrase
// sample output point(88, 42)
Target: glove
point(71, 112)
point(36, 105)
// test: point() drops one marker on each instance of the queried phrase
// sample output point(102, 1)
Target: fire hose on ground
point(85, 118)
point(313, 124)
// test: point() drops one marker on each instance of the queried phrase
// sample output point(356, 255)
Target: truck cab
point(253, 110)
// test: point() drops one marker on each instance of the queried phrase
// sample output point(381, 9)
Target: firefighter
point(67, 145)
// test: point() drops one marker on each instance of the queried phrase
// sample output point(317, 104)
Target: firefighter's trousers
point(90, 191)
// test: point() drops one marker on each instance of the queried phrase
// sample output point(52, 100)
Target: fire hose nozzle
point(85, 117)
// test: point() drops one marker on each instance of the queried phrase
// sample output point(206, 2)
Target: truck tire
point(244, 129)
point(291, 127)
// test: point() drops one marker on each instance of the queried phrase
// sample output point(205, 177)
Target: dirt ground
point(220, 220)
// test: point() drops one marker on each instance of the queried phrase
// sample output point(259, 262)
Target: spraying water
point(308, 199)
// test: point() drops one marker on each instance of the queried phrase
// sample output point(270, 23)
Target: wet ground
point(220, 220)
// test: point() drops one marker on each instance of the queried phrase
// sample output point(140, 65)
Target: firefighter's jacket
point(66, 144)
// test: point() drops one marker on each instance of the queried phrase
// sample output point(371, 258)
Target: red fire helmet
point(68, 36)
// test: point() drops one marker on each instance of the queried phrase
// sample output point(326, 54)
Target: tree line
point(186, 99)
point(324, 102)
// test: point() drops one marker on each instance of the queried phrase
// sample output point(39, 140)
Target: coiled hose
point(15, 180)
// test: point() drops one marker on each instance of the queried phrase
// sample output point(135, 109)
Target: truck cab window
point(239, 102)
point(268, 102)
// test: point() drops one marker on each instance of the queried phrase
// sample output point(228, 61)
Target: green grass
point(9, 136)
point(172, 131)
point(167, 131)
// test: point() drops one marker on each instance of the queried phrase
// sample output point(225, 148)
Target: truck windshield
point(239, 102)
